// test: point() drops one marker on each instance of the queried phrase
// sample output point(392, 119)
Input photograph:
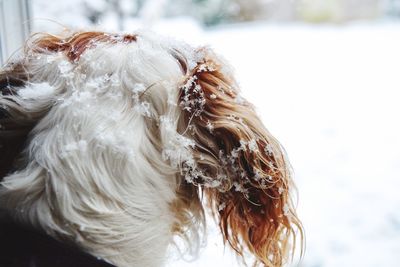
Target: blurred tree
point(213, 12)
point(338, 10)
point(319, 10)
point(97, 10)
point(209, 12)
point(117, 13)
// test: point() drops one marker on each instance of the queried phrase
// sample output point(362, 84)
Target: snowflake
point(197, 88)
point(213, 96)
point(263, 184)
point(243, 145)
point(221, 206)
point(210, 126)
point(178, 151)
point(239, 187)
point(257, 175)
point(268, 150)
point(286, 210)
point(281, 190)
point(213, 184)
point(143, 108)
point(192, 99)
point(206, 67)
point(138, 88)
point(235, 153)
point(253, 145)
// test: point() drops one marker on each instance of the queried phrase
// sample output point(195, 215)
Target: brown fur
point(255, 222)
point(74, 46)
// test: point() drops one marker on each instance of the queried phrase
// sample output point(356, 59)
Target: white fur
point(95, 173)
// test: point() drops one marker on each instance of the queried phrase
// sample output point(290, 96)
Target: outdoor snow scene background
point(324, 76)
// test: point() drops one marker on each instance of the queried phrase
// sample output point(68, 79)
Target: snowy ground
point(330, 94)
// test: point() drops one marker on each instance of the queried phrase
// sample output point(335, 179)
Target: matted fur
point(122, 135)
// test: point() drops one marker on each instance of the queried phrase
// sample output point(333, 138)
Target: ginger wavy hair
point(240, 172)
point(254, 207)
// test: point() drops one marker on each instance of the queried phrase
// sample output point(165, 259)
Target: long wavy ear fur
point(244, 172)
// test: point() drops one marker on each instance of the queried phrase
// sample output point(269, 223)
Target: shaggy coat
point(118, 143)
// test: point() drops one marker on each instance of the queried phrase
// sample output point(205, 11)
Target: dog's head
point(112, 141)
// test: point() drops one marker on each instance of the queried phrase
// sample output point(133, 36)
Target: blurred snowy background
point(325, 77)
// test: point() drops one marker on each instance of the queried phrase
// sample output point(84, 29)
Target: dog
point(121, 143)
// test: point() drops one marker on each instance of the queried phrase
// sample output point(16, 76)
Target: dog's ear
point(14, 126)
point(241, 167)
point(24, 101)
